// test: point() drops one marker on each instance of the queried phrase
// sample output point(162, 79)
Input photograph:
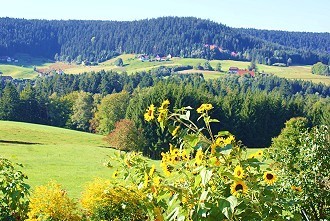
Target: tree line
point(97, 41)
point(254, 109)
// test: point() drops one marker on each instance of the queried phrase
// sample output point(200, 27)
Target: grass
point(17, 71)
point(71, 158)
point(132, 65)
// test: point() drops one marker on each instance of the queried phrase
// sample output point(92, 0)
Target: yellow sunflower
point(149, 115)
point(115, 174)
point(238, 187)
point(204, 107)
point(270, 177)
point(259, 153)
point(152, 170)
point(238, 172)
point(296, 188)
point(165, 104)
point(199, 157)
point(162, 115)
point(175, 131)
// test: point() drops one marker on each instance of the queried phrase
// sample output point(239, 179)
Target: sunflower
point(296, 188)
point(238, 172)
point(270, 177)
point(238, 187)
point(204, 107)
point(164, 105)
point(115, 174)
point(259, 153)
point(199, 157)
point(149, 115)
point(152, 170)
point(146, 180)
point(162, 115)
point(175, 131)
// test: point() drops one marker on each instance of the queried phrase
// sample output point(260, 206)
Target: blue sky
point(293, 15)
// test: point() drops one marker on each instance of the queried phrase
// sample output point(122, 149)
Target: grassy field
point(132, 65)
point(71, 158)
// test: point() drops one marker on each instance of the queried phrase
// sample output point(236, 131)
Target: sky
point(290, 15)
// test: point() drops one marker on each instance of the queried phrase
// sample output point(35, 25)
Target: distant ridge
point(97, 41)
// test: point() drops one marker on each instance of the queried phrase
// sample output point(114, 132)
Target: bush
point(126, 136)
point(102, 200)
point(13, 192)
point(302, 159)
point(51, 202)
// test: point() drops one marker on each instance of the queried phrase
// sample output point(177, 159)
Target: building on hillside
point(143, 57)
point(246, 72)
point(233, 70)
point(241, 72)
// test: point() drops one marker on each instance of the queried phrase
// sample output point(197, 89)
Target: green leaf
point(224, 206)
point(206, 176)
point(226, 149)
point(223, 133)
point(203, 196)
point(233, 203)
point(214, 121)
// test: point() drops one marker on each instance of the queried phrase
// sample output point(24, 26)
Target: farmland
point(132, 65)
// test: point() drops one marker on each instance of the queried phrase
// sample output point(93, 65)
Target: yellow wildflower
point(204, 107)
point(156, 180)
point(238, 187)
point(152, 170)
point(115, 174)
point(164, 105)
point(146, 179)
point(199, 156)
point(175, 131)
point(149, 115)
point(239, 172)
point(162, 115)
point(269, 177)
point(296, 188)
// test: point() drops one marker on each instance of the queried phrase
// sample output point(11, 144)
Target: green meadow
point(47, 153)
point(71, 158)
point(24, 69)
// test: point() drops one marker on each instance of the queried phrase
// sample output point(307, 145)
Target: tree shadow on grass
point(18, 142)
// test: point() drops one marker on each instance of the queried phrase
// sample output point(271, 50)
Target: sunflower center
point(239, 173)
point(269, 176)
point(239, 187)
point(149, 112)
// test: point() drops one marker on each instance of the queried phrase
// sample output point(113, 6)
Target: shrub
point(14, 192)
point(126, 136)
point(302, 158)
point(51, 202)
point(102, 200)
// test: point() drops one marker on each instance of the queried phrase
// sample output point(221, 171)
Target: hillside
point(71, 158)
point(97, 41)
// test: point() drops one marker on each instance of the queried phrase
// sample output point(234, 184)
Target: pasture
point(71, 158)
point(47, 153)
point(132, 64)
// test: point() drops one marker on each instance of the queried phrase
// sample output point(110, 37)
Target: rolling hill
point(71, 158)
point(97, 41)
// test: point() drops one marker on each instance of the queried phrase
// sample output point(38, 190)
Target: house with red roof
point(241, 72)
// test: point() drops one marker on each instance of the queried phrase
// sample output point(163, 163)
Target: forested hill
point(97, 41)
point(307, 41)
